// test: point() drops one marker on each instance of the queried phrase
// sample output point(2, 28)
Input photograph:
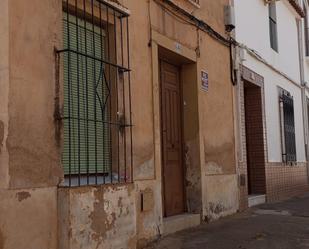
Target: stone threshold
point(180, 222)
point(254, 200)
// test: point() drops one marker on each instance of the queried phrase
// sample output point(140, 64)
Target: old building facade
point(124, 120)
point(272, 116)
point(109, 135)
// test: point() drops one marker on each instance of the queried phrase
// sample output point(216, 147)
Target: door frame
point(250, 76)
point(163, 46)
point(251, 182)
point(161, 59)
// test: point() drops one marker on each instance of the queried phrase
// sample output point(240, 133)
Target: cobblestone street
point(283, 225)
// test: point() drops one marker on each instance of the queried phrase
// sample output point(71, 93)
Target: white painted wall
point(306, 59)
point(252, 30)
point(271, 83)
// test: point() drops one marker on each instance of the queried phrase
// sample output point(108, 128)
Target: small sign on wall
point(205, 81)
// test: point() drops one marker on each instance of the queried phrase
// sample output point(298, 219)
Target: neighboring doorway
point(172, 151)
point(254, 140)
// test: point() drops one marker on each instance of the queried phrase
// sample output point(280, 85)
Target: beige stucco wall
point(217, 130)
point(29, 153)
point(4, 86)
point(28, 218)
point(35, 32)
point(30, 142)
point(215, 136)
point(220, 193)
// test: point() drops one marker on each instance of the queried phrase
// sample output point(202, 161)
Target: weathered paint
point(23, 195)
point(2, 240)
point(29, 157)
point(1, 134)
point(191, 138)
point(193, 177)
point(111, 216)
point(221, 195)
point(28, 218)
point(149, 223)
point(215, 129)
point(145, 170)
point(97, 217)
point(4, 92)
point(34, 156)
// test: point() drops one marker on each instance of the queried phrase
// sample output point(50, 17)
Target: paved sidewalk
point(283, 225)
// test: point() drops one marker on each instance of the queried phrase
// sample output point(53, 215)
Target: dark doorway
point(171, 123)
point(254, 139)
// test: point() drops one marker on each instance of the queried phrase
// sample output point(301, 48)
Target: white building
point(305, 54)
point(272, 154)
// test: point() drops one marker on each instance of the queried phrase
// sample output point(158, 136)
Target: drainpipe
point(303, 90)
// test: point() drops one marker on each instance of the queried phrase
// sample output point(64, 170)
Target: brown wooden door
point(173, 175)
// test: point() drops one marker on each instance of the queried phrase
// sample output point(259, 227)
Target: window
point(273, 26)
point(306, 31)
point(97, 130)
point(287, 127)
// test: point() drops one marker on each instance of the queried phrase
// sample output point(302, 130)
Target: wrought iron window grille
point(94, 66)
point(287, 120)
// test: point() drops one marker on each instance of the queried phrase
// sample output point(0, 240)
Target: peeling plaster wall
point(218, 162)
point(97, 217)
point(210, 146)
point(216, 121)
point(107, 216)
point(149, 223)
point(29, 157)
point(28, 218)
point(191, 138)
point(142, 109)
point(220, 196)
point(34, 32)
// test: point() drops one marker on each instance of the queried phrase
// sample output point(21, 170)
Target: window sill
point(290, 164)
point(92, 181)
point(96, 186)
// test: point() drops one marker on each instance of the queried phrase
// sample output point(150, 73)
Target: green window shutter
point(86, 147)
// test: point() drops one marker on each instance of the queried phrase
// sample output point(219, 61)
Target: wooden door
point(171, 119)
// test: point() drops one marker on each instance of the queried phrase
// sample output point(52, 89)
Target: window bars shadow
point(95, 71)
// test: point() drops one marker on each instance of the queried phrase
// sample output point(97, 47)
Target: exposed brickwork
point(285, 181)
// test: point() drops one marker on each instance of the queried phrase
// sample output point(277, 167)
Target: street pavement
point(282, 225)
